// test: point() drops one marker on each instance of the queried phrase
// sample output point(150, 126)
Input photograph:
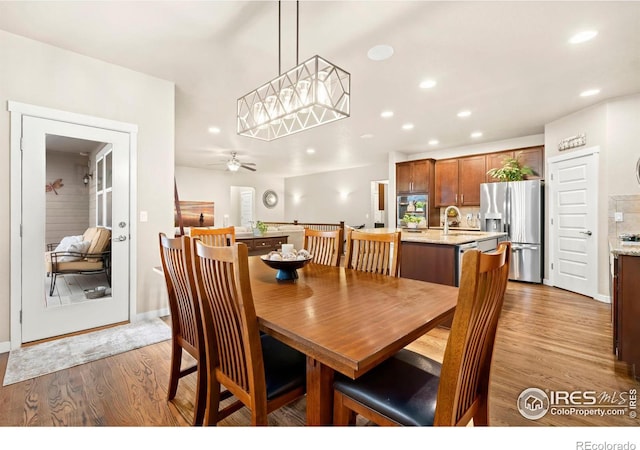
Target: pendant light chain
point(279, 42)
point(297, 28)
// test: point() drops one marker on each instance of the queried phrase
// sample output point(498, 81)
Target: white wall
point(47, 76)
point(613, 126)
point(331, 197)
point(204, 185)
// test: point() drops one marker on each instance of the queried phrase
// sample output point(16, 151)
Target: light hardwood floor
point(547, 338)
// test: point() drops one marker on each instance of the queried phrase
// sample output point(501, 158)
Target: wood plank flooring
point(547, 338)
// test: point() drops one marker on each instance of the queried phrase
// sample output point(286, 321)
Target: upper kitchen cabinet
point(530, 156)
point(414, 176)
point(457, 181)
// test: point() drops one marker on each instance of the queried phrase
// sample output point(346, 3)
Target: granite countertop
point(618, 247)
point(435, 236)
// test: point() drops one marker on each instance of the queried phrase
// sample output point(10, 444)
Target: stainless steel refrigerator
point(516, 207)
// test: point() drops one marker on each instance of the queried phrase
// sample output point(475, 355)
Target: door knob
point(120, 238)
point(588, 233)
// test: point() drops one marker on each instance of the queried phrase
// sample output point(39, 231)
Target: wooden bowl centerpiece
point(286, 265)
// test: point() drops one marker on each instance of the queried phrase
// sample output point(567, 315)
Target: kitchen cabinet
point(626, 310)
point(414, 176)
point(457, 181)
point(529, 156)
point(435, 263)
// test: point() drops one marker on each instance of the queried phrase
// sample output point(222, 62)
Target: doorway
point(379, 204)
point(573, 203)
point(108, 171)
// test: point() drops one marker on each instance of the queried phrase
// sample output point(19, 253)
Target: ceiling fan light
point(233, 165)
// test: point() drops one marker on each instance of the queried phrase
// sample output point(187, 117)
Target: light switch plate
point(619, 217)
point(143, 216)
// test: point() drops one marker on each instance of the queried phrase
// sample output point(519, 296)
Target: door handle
point(588, 233)
point(120, 238)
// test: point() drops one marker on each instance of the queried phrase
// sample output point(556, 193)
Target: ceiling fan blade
point(244, 166)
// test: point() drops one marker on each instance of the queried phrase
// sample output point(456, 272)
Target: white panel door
point(40, 320)
point(574, 193)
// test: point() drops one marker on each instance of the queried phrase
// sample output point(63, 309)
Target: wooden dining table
point(344, 321)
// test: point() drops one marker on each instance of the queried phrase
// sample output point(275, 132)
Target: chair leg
point(200, 402)
point(174, 374)
point(53, 284)
point(341, 414)
point(212, 393)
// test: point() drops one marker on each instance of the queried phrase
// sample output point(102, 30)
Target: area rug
point(41, 359)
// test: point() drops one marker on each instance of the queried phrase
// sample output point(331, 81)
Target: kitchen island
point(431, 255)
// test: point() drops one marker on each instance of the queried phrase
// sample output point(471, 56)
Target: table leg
point(319, 393)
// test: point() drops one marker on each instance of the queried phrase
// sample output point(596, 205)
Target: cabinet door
point(446, 182)
point(534, 158)
point(472, 172)
point(420, 176)
point(495, 161)
point(403, 177)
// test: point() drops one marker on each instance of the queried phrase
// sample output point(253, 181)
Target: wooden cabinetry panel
point(446, 182)
point(627, 310)
point(414, 176)
point(435, 263)
point(472, 173)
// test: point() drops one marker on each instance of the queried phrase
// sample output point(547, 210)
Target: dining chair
point(373, 252)
point(263, 373)
point(324, 246)
point(215, 237)
point(411, 389)
point(186, 325)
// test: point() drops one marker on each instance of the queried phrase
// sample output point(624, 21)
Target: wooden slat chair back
point(186, 324)
point(457, 389)
point(464, 379)
point(215, 237)
point(324, 246)
point(373, 252)
point(233, 341)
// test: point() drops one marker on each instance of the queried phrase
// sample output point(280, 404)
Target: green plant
point(408, 218)
point(261, 226)
point(420, 204)
point(511, 170)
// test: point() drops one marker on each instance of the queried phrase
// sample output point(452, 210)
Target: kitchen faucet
point(446, 217)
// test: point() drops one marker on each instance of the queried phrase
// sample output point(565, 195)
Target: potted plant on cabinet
point(420, 205)
point(511, 170)
point(259, 228)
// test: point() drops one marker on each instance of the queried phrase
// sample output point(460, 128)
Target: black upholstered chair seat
point(284, 367)
point(403, 388)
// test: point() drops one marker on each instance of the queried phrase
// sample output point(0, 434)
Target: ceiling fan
point(234, 164)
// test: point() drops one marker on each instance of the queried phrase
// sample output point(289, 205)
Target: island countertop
point(436, 236)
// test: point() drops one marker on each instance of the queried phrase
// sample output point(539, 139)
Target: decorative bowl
point(286, 269)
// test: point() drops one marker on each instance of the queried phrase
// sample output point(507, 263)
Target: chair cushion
point(284, 367)
point(72, 244)
point(100, 238)
point(403, 388)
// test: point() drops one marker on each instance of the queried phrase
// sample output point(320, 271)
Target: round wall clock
point(270, 198)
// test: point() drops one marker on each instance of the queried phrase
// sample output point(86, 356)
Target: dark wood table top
point(347, 320)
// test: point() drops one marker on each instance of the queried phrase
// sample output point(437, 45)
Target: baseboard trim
point(151, 314)
point(602, 298)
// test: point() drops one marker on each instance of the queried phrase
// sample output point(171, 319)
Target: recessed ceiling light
point(583, 36)
point(386, 114)
point(476, 134)
point(465, 113)
point(427, 84)
point(214, 130)
point(367, 136)
point(311, 151)
point(589, 92)
point(434, 142)
point(380, 52)
point(407, 126)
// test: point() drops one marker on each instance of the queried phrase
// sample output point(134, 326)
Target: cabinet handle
point(456, 198)
point(462, 199)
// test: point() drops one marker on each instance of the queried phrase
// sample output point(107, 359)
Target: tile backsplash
point(629, 206)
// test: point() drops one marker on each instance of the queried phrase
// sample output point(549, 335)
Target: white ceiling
point(509, 63)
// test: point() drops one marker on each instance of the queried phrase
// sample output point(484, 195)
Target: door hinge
point(20, 316)
point(21, 144)
point(551, 176)
point(552, 221)
point(20, 230)
point(551, 266)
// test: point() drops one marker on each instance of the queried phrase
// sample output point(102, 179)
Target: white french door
point(574, 232)
point(40, 320)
